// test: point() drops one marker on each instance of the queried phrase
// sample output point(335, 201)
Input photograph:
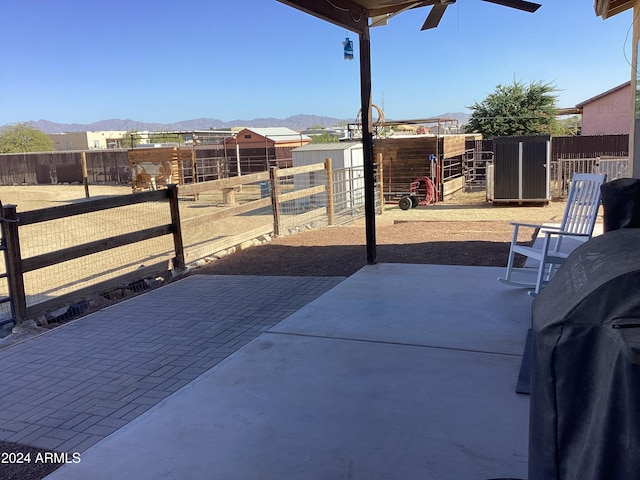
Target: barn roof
point(312, 147)
point(279, 134)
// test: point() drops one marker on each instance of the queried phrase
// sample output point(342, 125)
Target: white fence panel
point(562, 171)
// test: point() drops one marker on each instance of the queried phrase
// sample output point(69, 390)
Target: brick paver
point(69, 388)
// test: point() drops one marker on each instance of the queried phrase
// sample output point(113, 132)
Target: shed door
point(534, 170)
point(507, 170)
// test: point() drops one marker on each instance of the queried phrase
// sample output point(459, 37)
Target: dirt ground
point(464, 230)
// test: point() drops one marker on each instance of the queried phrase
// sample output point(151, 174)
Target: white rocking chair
point(578, 221)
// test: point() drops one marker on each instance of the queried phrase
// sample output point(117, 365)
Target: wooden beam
point(367, 146)
point(344, 13)
point(619, 6)
point(609, 8)
point(97, 205)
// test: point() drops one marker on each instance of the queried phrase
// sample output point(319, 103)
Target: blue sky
point(79, 61)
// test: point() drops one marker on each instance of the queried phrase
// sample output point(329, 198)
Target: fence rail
point(205, 218)
point(17, 266)
point(562, 170)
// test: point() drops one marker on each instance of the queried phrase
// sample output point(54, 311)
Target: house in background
point(608, 113)
point(258, 149)
point(87, 140)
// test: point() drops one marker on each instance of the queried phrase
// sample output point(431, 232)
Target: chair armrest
point(534, 225)
point(551, 231)
point(531, 225)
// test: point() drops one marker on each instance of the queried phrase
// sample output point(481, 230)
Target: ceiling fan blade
point(433, 19)
point(518, 4)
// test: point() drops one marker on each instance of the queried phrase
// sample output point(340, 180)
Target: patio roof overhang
point(354, 16)
point(609, 8)
point(359, 16)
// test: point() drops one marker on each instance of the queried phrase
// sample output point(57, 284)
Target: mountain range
point(296, 122)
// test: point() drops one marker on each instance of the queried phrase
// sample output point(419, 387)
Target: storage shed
point(347, 160)
point(521, 169)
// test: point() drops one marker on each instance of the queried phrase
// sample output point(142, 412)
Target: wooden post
point(15, 275)
point(229, 196)
point(381, 182)
point(178, 261)
point(330, 198)
point(238, 158)
point(85, 178)
point(194, 167)
point(275, 201)
point(367, 145)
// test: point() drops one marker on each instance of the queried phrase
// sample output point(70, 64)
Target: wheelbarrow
point(405, 195)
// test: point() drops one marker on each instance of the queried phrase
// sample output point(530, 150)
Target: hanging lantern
point(348, 49)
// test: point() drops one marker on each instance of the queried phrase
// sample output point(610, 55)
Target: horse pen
point(73, 250)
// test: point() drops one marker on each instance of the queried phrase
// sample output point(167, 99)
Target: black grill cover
point(585, 378)
point(621, 204)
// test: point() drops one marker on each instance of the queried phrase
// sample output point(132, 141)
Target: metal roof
point(279, 134)
point(314, 147)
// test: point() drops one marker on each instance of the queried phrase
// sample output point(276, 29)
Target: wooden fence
point(111, 166)
point(276, 184)
point(17, 266)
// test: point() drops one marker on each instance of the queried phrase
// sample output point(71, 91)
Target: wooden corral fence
point(278, 195)
point(17, 266)
point(405, 159)
point(111, 166)
point(46, 168)
point(275, 192)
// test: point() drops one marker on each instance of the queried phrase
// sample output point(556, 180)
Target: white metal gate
point(562, 171)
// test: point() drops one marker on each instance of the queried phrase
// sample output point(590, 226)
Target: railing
point(70, 253)
point(562, 171)
point(476, 162)
point(17, 266)
point(613, 167)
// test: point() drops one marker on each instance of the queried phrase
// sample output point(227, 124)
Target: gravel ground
point(465, 230)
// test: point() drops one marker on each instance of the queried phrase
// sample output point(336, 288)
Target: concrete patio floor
point(398, 372)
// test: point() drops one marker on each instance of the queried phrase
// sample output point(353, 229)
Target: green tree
point(22, 137)
point(569, 126)
point(516, 109)
point(324, 137)
point(166, 137)
point(130, 138)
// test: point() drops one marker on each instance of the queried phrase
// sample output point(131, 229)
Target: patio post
point(367, 145)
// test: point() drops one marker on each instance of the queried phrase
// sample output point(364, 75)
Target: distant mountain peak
point(296, 122)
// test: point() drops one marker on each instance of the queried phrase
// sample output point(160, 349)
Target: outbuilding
point(347, 164)
point(257, 149)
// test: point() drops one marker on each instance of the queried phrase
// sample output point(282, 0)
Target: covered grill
point(585, 380)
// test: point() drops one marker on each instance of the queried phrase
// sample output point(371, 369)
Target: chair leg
point(512, 255)
point(543, 275)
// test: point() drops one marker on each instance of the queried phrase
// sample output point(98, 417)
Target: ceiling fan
point(439, 6)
